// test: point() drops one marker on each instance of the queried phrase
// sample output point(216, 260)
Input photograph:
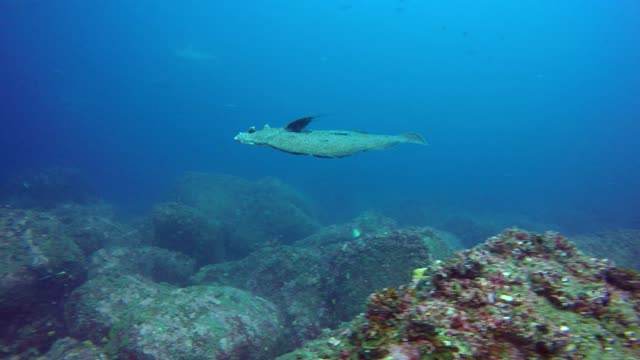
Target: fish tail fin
point(413, 138)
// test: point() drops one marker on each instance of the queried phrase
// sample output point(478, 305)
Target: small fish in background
point(296, 139)
point(192, 54)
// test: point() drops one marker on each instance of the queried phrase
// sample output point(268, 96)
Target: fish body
point(294, 139)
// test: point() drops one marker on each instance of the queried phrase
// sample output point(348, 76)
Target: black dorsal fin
point(299, 125)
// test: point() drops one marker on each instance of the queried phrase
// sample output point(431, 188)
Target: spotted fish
point(296, 139)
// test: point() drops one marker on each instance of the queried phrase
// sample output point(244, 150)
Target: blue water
point(530, 107)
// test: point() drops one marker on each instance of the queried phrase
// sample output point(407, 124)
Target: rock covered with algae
point(323, 282)
point(520, 295)
point(70, 349)
point(274, 209)
point(132, 317)
point(40, 265)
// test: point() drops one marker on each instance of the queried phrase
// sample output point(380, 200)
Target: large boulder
point(188, 230)
point(366, 224)
point(249, 212)
point(93, 226)
point(39, 261)
point(40, 266)
point(156, 264)
point(134, 317)
point(290, 277)
point(319, 282)
point(377, 261)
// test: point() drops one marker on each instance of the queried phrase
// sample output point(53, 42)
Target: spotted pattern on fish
point(322, 143)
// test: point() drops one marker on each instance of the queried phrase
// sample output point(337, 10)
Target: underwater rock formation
point(317, 286)
point(71, 349)
point(188, 230)
point(249, 212)
point(518, 296)
point(40, 265)
point(93, 226)
point(134, 318)
point(159, 265)
point(377, 261)
point(367, 223)
point(290, 277)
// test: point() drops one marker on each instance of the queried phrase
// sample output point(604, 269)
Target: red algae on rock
point(519, 295)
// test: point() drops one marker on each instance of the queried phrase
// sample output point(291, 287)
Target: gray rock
point(136, 318)
point(249, 213)
point(39, 261)
point(323, 282)
point(291, 277)
point(71, 349)
point(366, 224)
point(186, 229)
point(40, 265)
point(377, 261)
point(157, 264)
point(93, 226)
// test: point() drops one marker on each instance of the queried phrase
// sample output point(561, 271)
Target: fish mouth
point(239, 138)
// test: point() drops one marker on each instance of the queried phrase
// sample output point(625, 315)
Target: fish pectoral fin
point(298, 125)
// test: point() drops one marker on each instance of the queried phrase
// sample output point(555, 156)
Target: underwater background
point(528, 106)
point(119, 171)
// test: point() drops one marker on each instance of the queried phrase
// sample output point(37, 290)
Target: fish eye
point(251, 130)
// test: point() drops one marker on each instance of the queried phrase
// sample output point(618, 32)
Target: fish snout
point(243, 138)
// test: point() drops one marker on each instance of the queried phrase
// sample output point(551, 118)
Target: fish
point(192, 54)
point(296, 139)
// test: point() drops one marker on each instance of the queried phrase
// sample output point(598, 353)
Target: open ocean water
point(528, 105)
